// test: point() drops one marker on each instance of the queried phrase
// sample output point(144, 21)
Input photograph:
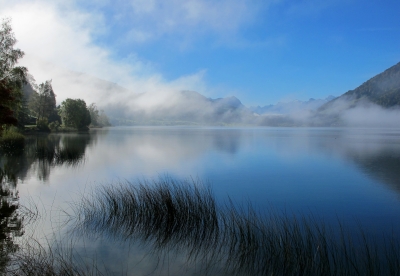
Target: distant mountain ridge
point(291, 107)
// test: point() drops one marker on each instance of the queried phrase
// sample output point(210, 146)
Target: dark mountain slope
point(383, 90)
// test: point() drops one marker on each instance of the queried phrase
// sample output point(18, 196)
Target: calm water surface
point(333, 173)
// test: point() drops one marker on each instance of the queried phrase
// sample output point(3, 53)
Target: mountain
point(291, 107)
point(382, 90)
point(375, 103)
point(180, 107)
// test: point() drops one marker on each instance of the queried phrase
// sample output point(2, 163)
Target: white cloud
point(187, 20)
point(193, 17)
point(59, 38)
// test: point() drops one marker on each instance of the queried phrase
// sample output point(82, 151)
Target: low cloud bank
point(372, 116)
point(340, 112)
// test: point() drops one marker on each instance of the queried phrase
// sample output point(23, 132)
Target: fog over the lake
point(359, 113)
point(371, 115)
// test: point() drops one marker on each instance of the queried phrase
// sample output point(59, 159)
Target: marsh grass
point(183, 216)
point(35, 260)
point(161, 213)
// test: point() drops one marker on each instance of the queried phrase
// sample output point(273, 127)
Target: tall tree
point(74, 113)
point(12, 78)
point(43, 102)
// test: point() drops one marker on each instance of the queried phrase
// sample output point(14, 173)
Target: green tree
point(12, 78)
point(43, 102)
point(74, 113)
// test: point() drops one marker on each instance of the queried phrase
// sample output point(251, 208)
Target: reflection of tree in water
point(56, 150)
point(44, 152)
point(40, 154)
point(10, 219)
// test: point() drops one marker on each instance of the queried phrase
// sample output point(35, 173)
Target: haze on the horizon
point(262, 52)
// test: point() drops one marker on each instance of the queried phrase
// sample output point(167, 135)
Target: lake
point(334, 174)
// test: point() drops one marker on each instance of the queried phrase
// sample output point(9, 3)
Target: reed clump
point(162, 213)
point(171, 215)
point(34, 260)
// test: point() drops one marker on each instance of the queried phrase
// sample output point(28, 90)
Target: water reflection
point(306, 169)
point(160, 148)
point(149, 151)
point(10, 218)
point(38, 156)
point(173, 218)
point(44, 152)
point(376, 152)
point(57, 150)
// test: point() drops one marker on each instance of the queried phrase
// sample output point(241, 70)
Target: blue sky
point(260, 51)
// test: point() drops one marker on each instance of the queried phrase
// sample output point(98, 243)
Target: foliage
point(99, 118)
point(43, 102)
point(6, 113)
point(23, 115)
point(12, 77)
point(42, 125)
point(54, 126)
point(12, 139)
point(74, 113)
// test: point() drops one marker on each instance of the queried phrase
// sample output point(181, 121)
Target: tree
point(43, 102)
point(6, 113)
point(74, 113)
point(12, 78)
point(94, 114)
point(99, 118)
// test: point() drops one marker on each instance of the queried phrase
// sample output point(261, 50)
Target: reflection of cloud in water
point(149, 150)
point(126, 258)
